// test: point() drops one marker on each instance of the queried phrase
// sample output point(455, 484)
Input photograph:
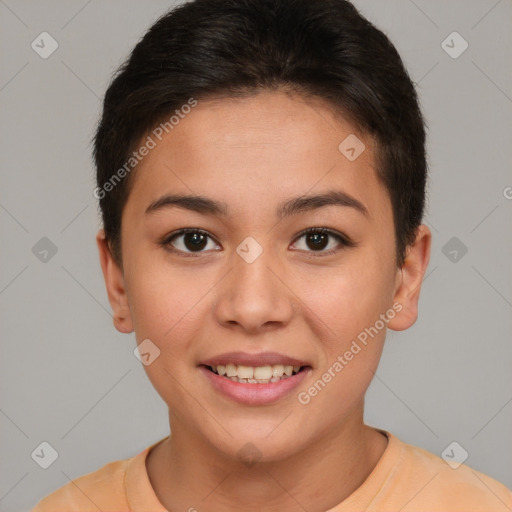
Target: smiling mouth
point(255, 374)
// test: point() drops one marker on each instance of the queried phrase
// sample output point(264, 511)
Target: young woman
point(261, 175)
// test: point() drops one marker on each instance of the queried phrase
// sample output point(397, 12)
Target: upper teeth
point(255, 372)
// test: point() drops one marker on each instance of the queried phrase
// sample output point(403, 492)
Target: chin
point(252, 445)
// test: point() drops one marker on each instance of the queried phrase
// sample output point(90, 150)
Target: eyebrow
point(207, 206)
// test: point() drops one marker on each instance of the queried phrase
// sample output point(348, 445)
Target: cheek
point(347, 314)
point(170, 311)
point(166, 305)
point(347, 298)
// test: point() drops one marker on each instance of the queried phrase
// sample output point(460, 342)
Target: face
point(246, 279)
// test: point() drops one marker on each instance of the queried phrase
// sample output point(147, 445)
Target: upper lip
point(247, 359)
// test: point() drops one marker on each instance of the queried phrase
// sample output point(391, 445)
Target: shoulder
point(450, 486)
point(93, 491)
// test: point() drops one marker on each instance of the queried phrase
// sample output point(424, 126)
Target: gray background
point(70, 379)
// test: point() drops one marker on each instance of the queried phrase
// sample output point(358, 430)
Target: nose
point(254, 296)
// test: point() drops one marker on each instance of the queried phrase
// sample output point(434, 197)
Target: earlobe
point(114, 282)
point(410, 279)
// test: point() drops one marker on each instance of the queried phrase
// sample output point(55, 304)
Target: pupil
point(197, 240)
point(318, 237)
point(194, 241)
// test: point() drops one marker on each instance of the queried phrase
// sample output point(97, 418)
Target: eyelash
point(343, 240)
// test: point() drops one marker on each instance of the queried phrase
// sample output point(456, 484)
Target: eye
point(318, 240)
point(193, 241)
point(188, 240)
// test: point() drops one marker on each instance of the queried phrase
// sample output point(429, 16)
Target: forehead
point(260, 150)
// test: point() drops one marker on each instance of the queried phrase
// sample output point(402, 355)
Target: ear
point(114, 281)
point(410, 278)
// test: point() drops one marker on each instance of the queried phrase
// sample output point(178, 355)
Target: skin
point(254, 153)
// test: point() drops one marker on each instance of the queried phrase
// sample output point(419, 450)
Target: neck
point(188, 473)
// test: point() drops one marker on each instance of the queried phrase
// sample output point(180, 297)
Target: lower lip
point(254, 394)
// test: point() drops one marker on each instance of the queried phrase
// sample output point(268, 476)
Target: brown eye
point(189, 240)
point(194, 241)
point(317, 241)
point(323, 241)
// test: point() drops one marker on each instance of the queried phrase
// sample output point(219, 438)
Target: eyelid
point(335, 234)
point(166, 241)
point(343, 240)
